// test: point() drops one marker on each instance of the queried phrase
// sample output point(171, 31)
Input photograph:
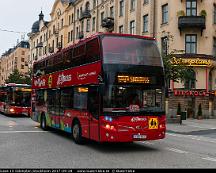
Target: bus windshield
point(21, 99)
point(130, 50)
point(122, 98)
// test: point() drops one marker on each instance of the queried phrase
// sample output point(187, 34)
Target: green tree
point(174, 72)
point(17, 77)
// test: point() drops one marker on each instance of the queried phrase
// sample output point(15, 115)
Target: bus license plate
point(139, 136)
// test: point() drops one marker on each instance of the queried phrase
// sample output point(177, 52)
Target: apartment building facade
point(186, 28)
point(14, 58)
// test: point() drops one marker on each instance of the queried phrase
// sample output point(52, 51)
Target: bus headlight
point(11, 110)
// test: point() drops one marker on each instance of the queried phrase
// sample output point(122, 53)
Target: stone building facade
point(14, 58)
point(185, 27)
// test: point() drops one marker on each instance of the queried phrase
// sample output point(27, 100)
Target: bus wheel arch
point(77, 131)
point(43, 122)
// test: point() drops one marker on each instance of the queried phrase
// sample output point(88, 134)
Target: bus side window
point(92, 51)
point(80, 98)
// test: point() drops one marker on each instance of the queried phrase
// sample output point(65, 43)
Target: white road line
point(198, 138)
point(209, 159)
point(7, 132)
point(147, 143)
point(177, 150)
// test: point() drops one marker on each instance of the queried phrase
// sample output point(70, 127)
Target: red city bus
point(107, 88)
point(15, 99)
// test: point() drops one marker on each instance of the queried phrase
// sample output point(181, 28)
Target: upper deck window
point(130, 50)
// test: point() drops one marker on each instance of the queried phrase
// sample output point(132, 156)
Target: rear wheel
point(43, 122)
point(77, 133)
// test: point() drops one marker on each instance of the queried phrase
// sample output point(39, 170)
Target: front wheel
point(43, 122)
point(77, 133)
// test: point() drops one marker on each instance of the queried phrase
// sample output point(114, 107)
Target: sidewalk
point(192, 125)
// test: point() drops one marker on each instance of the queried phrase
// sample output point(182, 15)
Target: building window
point(111, 11)
point(77, 33)
point(146, 2)
point(69, 20)
point(82, 26)
point(165, 14)
point(62, 23)
point(87, 25)
point(190, 83)
point(121, 29)
point(77, 14)
point(214, 46)
point(121, 4)
point(102, 17)
point(191, 7)
point(94, 3)
point(22, 66)
point(87, 6)
point(132, 27)
point(93, 24)
point(69, 37)
point(145, 23)
point(191, 44)
point(214, 13)
point(164, 46)
point(133, 3)
point(22, 59)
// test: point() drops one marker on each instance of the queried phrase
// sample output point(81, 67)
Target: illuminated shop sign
point(195, 93)
point(133, 79)
point(191, 62)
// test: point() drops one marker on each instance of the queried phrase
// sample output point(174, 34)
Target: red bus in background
point(107, 88)
point(15, 99)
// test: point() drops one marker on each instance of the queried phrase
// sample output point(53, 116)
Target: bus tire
point(77, 133)
point(43, 124)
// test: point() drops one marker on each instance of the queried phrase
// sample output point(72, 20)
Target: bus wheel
point(77, 133)
point(43, 122)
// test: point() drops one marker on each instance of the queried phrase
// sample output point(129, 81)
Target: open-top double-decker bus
point(108, 88)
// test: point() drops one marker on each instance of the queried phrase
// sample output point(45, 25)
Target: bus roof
point(16, 85)
point(95, 36)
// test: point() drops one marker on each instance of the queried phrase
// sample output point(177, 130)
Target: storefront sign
point(194, 93)
point(191, 62)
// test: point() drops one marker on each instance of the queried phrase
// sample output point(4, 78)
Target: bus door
point(54, 107)
point(94, 111)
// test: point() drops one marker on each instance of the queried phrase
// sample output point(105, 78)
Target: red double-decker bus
point(108, 88)
point(15, 99)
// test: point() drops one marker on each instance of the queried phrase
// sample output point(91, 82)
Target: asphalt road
point(24, 145)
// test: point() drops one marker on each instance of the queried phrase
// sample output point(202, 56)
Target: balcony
point(85, 14)
point(185, 22)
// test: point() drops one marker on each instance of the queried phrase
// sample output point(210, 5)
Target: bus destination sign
point(133, 79)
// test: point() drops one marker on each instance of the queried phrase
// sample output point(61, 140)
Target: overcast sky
point(18, 16)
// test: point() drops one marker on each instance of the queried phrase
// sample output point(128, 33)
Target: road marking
point(147, 143)
point(198, 138)
point(209, 159)
point(6, 132)
point(177, 150)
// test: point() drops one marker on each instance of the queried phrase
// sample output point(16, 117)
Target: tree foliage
point(177, 73)
point(17, 77)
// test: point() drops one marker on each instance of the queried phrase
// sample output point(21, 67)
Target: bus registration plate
point(139, 136)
